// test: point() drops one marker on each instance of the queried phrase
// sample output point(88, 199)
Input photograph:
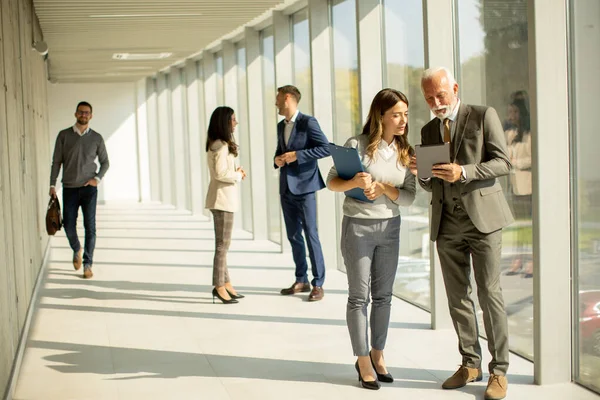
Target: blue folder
point(347, 163)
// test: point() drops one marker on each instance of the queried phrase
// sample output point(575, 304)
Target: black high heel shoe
point(371, 385)
point(235, 296)
point(225, 301)
point(387, 378)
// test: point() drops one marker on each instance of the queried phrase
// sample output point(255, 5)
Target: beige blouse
point(222, 190)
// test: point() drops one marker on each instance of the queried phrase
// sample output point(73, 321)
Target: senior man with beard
point(468, 213)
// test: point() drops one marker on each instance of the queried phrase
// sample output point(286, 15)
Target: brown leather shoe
point(462, 376)
point(316, 294)
point(496, 388)
point(87, 272)
point(77, 259)
point(296, 288)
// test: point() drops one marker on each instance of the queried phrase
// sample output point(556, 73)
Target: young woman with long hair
point(222, 195)
point(371, 230)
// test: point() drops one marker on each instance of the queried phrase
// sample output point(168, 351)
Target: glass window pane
point(219, 72)
point(585, 15)
point(271, 119)
point(346, 120)
point(301, 54)
point(494, 69)
point(243, 136)
point(405, 60)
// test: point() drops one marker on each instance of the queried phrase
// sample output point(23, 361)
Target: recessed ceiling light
point(141, 56)
point(133, 68)
point(142, 15)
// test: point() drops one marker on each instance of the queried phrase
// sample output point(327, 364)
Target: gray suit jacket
point(480, 147)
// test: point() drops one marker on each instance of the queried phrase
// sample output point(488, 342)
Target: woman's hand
point(241, 171)
point(375, 190)
point(362, 180)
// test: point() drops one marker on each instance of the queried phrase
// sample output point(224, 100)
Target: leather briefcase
point(53, 216)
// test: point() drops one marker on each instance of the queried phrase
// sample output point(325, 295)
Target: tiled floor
point(145, 327)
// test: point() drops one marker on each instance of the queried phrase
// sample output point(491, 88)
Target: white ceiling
point(83, 35)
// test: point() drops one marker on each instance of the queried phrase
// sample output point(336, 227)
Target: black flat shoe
point(225, 301)
point(371, 385)
point(387, 378)
point(235, 296)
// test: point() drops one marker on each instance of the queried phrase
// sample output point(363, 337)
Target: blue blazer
point(310, 143)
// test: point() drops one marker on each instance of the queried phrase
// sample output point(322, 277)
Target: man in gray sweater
point(76, 150)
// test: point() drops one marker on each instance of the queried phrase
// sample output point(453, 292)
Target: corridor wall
point(24, 172)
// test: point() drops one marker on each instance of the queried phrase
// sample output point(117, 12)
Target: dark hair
point(524, 125)
point(383, 101)
point(85, 104)
point(220, 128)
point(520, 95)
point(291, 90)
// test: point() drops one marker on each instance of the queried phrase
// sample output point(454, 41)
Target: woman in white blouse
point(371, 230)
point(222, 196)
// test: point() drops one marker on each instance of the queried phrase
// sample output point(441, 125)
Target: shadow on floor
point(159, 364)
point(95, 295)
point(162, 287)
point(222, 316)
point(162, 264)
point(257, 249)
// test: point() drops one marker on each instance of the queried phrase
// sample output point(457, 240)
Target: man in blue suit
point(300, 143)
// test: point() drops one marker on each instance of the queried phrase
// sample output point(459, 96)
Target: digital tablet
point(430, 154)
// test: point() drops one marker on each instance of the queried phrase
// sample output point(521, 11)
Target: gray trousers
point(459, 241)
point(223, 228)
point(370, 250)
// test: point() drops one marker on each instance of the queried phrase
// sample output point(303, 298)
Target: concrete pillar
point(323, 98)
point(439, 51)
point(244, 137)
point(256, 124)
point(230, 94)
point(153, 140)
point(196, 146)
point(142, 141)
point(370, 50)
point(164, 138)
point(178, 137)
point(284, 75)
point(549, 88)
point(204, 118)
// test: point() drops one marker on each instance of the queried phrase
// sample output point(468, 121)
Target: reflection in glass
point(494, 72)
point(271, 119)
point(405, 57)
point(243, 137)
point(219, 72)
point(585, 87)
point(301, 54)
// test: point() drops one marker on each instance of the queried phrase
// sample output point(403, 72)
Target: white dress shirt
point(76, 130)
point(289, 127)
point(387, 151)
point(452, 117)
